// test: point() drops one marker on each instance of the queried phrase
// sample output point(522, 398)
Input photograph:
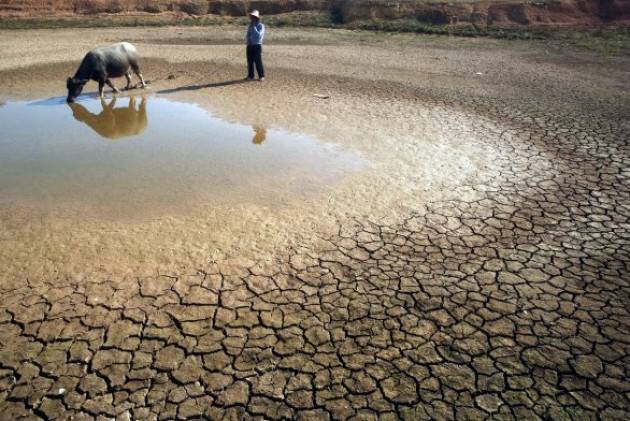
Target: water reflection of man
point(112, 122)
point(260, 134)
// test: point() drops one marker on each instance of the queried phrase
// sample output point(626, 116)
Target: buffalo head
point(75, 86)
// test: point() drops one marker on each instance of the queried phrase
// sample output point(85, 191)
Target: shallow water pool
point(133, 154)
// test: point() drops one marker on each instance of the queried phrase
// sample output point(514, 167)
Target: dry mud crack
point(509, 301)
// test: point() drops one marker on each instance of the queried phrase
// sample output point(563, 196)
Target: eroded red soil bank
point(489, 13)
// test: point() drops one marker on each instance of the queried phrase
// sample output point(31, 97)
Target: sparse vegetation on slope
point(477, 13)
point(613, 41)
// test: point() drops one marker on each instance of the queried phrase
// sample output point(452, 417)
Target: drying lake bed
point(390, 225)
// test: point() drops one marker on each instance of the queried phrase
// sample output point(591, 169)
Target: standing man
point(254, 39)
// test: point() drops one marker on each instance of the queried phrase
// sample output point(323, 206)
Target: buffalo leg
point(144, 85)
point(136, 70)
point(128, 77)
point(111, 85)
point(101, 84)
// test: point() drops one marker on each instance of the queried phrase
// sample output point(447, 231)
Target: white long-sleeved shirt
point(255, 33)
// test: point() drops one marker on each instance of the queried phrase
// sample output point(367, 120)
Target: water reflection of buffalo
point(114, 123)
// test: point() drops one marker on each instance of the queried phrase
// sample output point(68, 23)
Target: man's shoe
point(249, 78)
point(261, 79)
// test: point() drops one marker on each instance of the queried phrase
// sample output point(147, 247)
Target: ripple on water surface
point(130, 155)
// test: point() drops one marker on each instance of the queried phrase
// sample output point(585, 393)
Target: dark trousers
point(254, 56)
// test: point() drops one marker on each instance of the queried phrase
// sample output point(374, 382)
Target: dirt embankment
point(487, 13)
point(192, 7)
point(579, 13)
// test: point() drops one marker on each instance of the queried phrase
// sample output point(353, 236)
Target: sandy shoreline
point(388, 102)
point(396, 133)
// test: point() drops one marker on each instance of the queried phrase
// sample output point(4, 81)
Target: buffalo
point(104, 63)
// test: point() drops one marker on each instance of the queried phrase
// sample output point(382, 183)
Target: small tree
point(194, 7)
point(336, 11)
point(114, 6)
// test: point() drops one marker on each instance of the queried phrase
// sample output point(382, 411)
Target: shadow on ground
point(197, 87)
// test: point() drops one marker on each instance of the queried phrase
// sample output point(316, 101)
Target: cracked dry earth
point(509, 302)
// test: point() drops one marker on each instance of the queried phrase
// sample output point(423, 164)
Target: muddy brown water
point(129, 155)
